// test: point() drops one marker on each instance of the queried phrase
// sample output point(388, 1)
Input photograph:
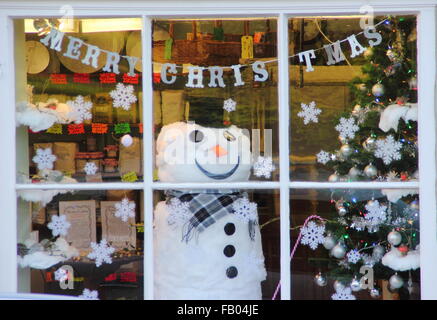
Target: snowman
point(207, 243)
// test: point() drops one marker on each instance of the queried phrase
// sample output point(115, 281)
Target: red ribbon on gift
point(130, 79)
point(76, 128)
point(128, 277)
point(111, 277)
point(99, 128)
point(58, 78)
point(81, 78)
point(108, 77)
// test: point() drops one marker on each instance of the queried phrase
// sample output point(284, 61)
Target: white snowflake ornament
point(123, 96)
point(101, 252)
point(263, 167)
point(44, 158)
point(388, 149)
point(88, 294)
point(312, 234)
point(179, 212)
point(323, 157)
point(81, 109)
point(344, 293)
point(245, 210)
point(61, 275)
point(376, 213)
point(90, 168)
point(347, 128)
point(59, 225)
point(353, 256)
point(229, 105)
point(125, 209)
point(309, 113)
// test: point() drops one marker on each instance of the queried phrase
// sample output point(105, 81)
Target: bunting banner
point(333, 51)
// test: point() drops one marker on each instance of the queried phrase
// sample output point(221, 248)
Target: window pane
point(79, 100)
point(216, 245)
point(354, 103)
point(364, 233)
point(218, 77)
point(83, 243)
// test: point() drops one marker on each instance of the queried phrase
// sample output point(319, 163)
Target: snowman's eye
point(228, 136)
point(196, 136)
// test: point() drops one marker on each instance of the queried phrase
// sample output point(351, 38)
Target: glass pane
point(79, 100)
point(354, 103)
point(83, 243)
point(215, 88)
point(362, 244)
point(216, 245)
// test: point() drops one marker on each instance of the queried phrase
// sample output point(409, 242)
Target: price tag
point(247, 47)
point(55, 129)
point(76, 128)
point(120, 128)
point(129, 177)
point(99, 128)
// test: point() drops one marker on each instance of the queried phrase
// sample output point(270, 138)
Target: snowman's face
point(187, 152)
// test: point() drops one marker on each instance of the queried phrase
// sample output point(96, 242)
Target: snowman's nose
point(219, 151)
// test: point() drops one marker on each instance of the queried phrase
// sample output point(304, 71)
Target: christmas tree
point(377, 229)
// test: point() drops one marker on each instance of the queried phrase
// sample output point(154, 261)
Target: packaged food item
point(65, 156)
point(111, 150)
point(130, 158)
point(110, 165)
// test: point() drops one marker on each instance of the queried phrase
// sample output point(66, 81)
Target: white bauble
point(396, 281)
point(378, 90)
point(355, 285)
point(375, 293)
point(339, 251)
point(334, 177)
point(346, 150)
point(338, 285)
point(354, 172)
point(329, 242)
point(320, 279)
point(370, 171)
point(127, 140)
point(369, 144)
point(378, 251)
point(394, 238)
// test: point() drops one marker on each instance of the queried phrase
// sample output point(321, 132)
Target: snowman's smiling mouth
point(218, 176)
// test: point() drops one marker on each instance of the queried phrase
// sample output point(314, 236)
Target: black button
point(229, 251)
point(231, 272)
point(230, 228)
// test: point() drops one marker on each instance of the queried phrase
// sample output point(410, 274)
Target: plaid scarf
point(207, 207)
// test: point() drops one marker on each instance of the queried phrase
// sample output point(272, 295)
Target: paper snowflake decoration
point(347, 128)
point(87, 294)
point(61, 275)
point(229, 105)
point(263, 167)
point(245, 210)
point(125, 209)
point(353, 256)
point(343, 294)
point(90, 168)
point(323, 157)
point(376, 213)
point(123, 96)
point(312, 234)
point(59, 225)
point(101, 252)
point(388, 149)
point(81, 109)
point(179, 212)
point(44, 158)
point(309, 113)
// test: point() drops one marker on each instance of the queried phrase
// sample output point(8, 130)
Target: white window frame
point(282, 10)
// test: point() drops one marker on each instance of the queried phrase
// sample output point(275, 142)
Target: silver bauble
point(375, 293)
point(334, 177)
point(362, 87)
point(357, 109)
point(378, 90)
point(320, 279)
point(329, 242)
point(355, 285)
point(346, 150)
point(354, 172)
point(370, 171)
point(396, 281)
point(369, 144)
point(341, 211)
point(378, 251)
point(338, 286)
point(368, 52)
point(413, 83)
point(339, 251)
point(394, 238)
